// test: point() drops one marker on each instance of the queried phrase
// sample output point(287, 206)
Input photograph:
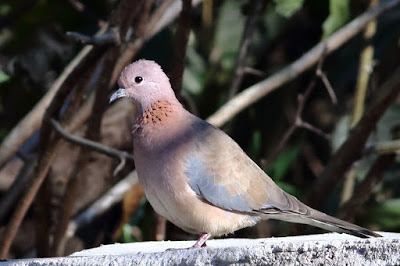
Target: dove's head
point(145, 82)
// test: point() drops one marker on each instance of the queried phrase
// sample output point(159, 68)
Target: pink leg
point(201, 242)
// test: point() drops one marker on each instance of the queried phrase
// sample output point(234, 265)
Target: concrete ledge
point(324, 249)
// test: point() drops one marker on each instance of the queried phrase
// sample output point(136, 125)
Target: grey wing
point(219, 171)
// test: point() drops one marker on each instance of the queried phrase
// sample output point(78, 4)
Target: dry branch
point(121, 155)
point(298, 121)
point(243, 47)
point(181, 39)
point(111, 36)
point(9, 199)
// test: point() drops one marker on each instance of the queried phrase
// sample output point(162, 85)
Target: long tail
point(303, 214)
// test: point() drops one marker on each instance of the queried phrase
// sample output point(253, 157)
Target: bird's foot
point(200, 243)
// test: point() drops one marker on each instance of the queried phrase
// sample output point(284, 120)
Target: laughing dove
point(198, 177)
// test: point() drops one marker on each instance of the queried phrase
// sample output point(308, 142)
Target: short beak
point(118, 94)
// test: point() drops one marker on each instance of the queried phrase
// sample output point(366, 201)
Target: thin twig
point(259, 90)
point(252, 71)
point(314, 129)
point(364, 69)
point(111, 36)
point(384, 147)
point(121, 155)
point(243, 47)
point(328, 85)
point(298, 121)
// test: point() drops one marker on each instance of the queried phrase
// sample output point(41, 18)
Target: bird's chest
point(161, 175)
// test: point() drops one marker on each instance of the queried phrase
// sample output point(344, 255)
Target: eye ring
point(138, 79)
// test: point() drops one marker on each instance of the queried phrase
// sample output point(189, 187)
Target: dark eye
point(138, 79)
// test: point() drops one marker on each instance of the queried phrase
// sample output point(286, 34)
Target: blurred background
point(59, 196)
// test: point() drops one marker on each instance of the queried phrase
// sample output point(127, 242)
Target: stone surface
point(324, 249)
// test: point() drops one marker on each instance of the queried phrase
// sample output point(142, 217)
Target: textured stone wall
point(324, 249)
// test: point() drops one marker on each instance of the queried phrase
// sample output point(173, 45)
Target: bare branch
point(9, 199)
point(252, 71)
point(384, 147)
point(314, 129)
point(111, 36)
point(243, 47)
point(181, 39)
point(298, 121)
point(328, 85)
point(121, 155)
point(364, 69)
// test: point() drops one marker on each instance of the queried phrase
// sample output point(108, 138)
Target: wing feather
point(220, 171)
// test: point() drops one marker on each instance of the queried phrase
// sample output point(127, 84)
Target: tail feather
point(327, 222)
point(324, 221)
point(298, 212)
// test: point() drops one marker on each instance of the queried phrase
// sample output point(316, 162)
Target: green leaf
point(387, 214)
point(193, 76)
point(283, 162)
point(4, 9)
point(289, 188)
point(287, 8)
point(255, 146)
point(341, 133)
point(3, 77)
point(338, 16)
point(228, 33)
point(127, 234)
